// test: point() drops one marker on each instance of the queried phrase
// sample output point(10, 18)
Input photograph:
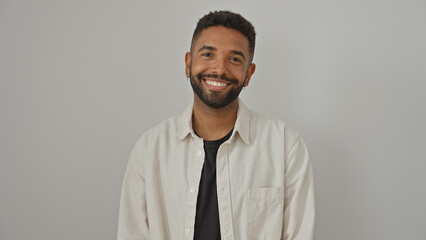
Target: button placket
point(193, 181)
point(224, 201)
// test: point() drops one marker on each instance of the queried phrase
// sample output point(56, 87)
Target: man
point(219, 170)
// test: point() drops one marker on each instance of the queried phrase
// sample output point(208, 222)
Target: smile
point(215, 85)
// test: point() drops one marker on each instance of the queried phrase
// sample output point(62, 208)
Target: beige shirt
point(264, 182)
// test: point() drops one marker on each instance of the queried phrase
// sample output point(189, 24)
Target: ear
point(249, 73)
point(188, 58)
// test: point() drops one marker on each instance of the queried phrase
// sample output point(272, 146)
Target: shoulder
point(274, 127)
point(266, 122)
point(259, 119)
point(164, 130)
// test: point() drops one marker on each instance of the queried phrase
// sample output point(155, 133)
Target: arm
point(133, 218)
point(299, 205)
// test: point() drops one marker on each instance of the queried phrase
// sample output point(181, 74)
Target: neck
point(212, 123)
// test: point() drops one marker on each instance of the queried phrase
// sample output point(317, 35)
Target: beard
point(215, 99)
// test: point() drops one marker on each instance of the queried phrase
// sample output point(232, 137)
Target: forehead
point(222, 38)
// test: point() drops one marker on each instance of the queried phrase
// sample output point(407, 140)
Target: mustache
point(215, 75)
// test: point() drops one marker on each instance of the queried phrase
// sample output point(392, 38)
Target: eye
point(206, 54)
point(235, 59)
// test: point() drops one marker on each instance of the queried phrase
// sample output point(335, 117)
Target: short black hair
point(227, 19)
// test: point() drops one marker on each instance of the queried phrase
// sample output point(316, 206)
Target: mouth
point(215, 84)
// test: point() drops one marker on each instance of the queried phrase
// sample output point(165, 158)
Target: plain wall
point(80, 81)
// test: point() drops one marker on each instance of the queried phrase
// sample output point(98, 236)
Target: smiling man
point(218, 170)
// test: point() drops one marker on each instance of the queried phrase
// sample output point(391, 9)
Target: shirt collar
point(242, 124)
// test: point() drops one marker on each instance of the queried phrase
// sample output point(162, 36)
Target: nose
point(219, 66)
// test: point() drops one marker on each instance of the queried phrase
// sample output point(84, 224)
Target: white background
point(82, 80)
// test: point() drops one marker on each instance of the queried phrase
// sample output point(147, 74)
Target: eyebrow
point(206, 47)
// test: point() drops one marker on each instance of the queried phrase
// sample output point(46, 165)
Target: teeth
point(216, 84)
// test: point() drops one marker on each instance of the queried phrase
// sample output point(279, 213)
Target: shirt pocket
point(265, 209)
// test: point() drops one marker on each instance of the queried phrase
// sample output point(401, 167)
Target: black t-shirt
point(207, 226)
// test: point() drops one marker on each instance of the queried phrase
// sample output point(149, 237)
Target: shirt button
point(192, 190)
point(188, 231)
point(199, 153)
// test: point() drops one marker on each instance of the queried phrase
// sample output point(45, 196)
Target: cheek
point(204, 66)
point(238, 73)
point(198, 67)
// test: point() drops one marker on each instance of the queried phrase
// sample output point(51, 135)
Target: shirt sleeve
point(299, 203)
point(133, 218)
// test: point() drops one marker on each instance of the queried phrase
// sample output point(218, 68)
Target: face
point(219, 66)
